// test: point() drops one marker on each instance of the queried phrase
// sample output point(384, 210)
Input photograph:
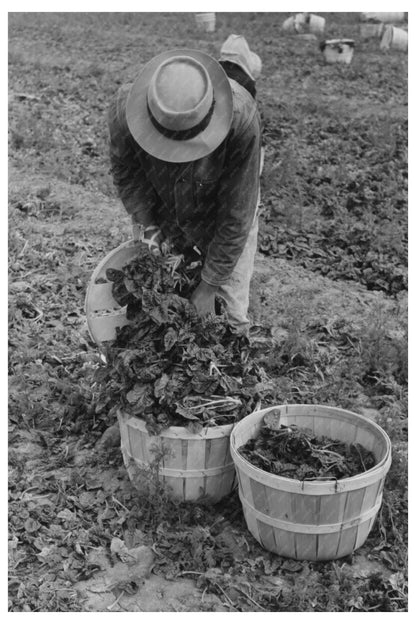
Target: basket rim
point(335, 41)
point(183, 432)
point(129, 244)
point(306, 486)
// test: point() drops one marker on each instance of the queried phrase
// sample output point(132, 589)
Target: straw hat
point(236, 50)
point(180, 107)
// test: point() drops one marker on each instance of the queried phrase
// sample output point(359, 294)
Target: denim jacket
point(209, 203)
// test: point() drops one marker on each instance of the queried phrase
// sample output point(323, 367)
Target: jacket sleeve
point(237, 201)
point(134, 189)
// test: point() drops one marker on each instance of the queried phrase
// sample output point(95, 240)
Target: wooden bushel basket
point(205, 21)
point(396, 38)
point(197, 465)
point(316, 519)
point(338, 50)
point(316, 24)
point(289, 25)
point(103, 313)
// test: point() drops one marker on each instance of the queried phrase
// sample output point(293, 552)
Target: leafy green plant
point(169, 366)
point(383, 353)
point(154, 494)
point(297, 453)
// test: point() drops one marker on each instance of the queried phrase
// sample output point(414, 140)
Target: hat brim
point(170, 150)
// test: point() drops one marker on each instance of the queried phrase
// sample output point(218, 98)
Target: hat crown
point(180, 93)
point(146, 101)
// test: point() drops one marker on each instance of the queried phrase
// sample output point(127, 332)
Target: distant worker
point(185, 148)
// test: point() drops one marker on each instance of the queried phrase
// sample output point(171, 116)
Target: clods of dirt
point(155, 594)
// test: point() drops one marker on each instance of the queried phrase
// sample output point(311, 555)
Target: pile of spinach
point(297, 453)
point(169, 366)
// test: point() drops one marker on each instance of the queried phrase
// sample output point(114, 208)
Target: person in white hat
point(240, 63)
point(185, 158)
point(244, 66)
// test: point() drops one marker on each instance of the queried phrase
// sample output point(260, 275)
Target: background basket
point(198, 465)
point(384, 16)
point(338, 51)
point(370, 30)
point(103, 313)
point(205, 21)
point(396, 38)
point(319, 519)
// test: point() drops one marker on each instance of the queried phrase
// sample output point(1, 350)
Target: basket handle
point(320, 479)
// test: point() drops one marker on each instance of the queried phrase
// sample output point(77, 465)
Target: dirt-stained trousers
point(236, 291)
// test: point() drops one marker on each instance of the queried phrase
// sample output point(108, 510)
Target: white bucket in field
point(338, 50)
point(205, 21)
point(315, 520)
point(316, 24)
point(385, 17)
point(309, 23)
point(395, 38)
point(371, 29)
point(289, 25)
point(197, 465)
point(302, 22)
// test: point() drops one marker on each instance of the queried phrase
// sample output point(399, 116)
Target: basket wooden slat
point(197, 465)
point(319, 519)
point(194, 485)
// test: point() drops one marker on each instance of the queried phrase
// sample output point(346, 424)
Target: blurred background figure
point(240, 63)
point(244, 66)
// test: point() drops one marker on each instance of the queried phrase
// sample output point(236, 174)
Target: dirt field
point(331, 278)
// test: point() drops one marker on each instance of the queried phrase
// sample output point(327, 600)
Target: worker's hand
point(203, 298)
point(150, 235)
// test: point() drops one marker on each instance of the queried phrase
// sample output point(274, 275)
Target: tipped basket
point(103, 313)
point(395, 38)
point(196, 465)
point(289, 25)
point(312, 519)
point(316, 24)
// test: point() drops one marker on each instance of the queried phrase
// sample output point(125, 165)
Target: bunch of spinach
point(169, 366)
point(297, 453)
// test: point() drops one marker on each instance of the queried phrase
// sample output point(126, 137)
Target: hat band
point(183, 135)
